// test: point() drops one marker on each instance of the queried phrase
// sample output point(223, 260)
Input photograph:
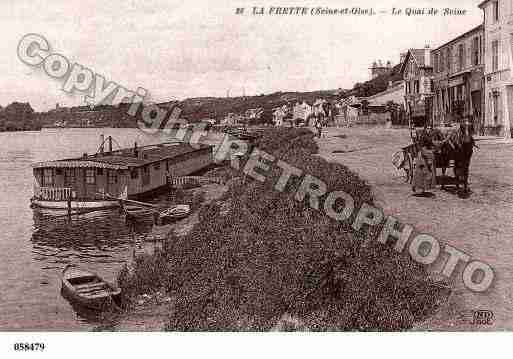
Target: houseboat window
point(48, 177)
point(90, 176)
point(157, 166)
point(100, 171)
point(69, 176)
point(146, 175)
point(58, 171)
point(113, 177)
point(134, 173)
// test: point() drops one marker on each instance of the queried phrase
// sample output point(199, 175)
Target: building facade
point(302, 111)
point(417, 72)
point(498, 76)
point(279, 115)
point(458, 68)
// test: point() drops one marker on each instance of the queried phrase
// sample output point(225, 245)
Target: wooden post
point(69, 206)
point(102, 142)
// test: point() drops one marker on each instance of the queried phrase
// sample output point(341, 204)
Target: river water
point(35, 247)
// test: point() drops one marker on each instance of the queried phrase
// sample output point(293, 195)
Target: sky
point(178, 49)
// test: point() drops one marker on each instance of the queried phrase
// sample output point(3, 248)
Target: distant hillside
point(193, 109)
point(196, 109)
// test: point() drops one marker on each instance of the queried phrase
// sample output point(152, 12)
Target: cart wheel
point(400, 162)
point(409, 168)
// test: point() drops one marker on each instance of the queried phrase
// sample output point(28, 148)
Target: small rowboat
point(138, 213)
point(176, 212)
point(87, 289)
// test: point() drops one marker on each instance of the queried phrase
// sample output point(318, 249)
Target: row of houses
point(251, 115)
point(302, 112)
point(468, 77)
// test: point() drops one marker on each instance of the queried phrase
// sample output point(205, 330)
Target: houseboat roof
point(126, 158)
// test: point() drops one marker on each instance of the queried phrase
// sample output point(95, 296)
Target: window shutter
point(500, 110)
point(463, 58)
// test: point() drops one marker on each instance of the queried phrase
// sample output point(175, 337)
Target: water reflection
point(95, 237)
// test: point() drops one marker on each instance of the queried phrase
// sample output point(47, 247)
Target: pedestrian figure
point(424, 177)
point(318, 126)
point(463, 154)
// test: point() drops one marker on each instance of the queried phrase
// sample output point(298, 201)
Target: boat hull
point(93, 304)
point(107, 297)
point(75, 205)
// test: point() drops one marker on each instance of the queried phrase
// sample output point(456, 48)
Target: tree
point(18, 116)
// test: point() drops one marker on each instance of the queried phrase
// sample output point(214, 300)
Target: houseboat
point(97, 181)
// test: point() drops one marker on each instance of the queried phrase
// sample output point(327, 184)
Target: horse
point(457, 146)
point(463, 154)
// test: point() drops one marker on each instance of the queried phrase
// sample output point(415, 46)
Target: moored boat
point(176, 212)
point(138, 213)
point(97, 181)
point(87, 289)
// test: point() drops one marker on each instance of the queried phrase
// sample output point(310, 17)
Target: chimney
point(136, 151)
point(110, 144)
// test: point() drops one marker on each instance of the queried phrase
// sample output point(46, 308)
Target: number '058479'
point(30, 347)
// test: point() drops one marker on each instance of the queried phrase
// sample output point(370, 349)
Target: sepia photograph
point(248, 167)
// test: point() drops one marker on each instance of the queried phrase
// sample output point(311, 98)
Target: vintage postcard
point(255, 166)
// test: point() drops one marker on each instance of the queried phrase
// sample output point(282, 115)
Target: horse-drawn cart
point(448, 149)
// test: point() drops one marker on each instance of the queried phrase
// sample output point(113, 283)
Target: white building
point(498, 75)
point(279, 115)
point(302, 111)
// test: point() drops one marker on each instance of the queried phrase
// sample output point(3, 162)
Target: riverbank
point(256, 259)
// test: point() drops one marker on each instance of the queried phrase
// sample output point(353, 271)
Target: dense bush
point(281, 138)
point(258, 253)
point(149, 273)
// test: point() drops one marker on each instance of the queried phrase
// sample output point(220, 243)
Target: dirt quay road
point(481, 225)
